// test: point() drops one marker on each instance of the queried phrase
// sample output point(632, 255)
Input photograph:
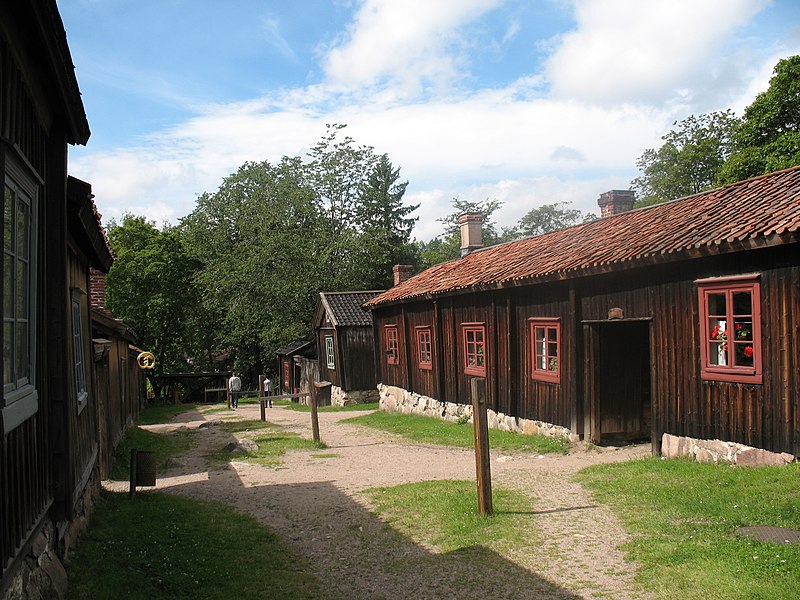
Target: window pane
point(8, 219)
point(717, 329)
point(8, 354)
point(22, 290)
point(744, 355)
point(717, 354)
point(551, 334)
point(742, 303)
point(23, 370)
point(552, 364)
point(552, 350)
point(717, 305)
point(8, 286)
point(23, 224)
point(742, 329)
point(539, 334)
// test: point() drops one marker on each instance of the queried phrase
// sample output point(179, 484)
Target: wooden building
point(50, 237)
point(680, 318)
point(289, 370)
point(345, 346)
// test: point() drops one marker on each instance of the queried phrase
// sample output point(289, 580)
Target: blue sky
point(527, 101)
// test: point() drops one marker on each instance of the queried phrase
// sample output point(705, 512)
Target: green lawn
point(436, 431)
point(350, 407)
point(160, 546)
point(683, 515)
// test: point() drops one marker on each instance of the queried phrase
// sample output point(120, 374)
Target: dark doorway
point(618, 378)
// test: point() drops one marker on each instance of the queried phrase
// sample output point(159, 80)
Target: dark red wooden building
point(680, 318)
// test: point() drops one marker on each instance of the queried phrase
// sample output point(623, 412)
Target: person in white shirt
point(234, 387)
point(268, 390)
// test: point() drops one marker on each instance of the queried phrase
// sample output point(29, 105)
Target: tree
point(768, 138)
point(689, 161)
point(385, 222)
point(448, 245)
point(550, 217)
point(150, 287)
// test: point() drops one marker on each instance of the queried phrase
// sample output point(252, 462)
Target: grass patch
point(683, 516)
point(271, 447)
point(445, 513)
point(350, 407)
point(165, 445)
point(162, 413)
point(436, 431)
point(324, 455)
point(163, 546)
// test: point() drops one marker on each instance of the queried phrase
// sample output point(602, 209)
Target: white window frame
point(329, 352)
point(20, 396)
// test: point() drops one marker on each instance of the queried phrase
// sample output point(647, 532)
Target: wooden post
point(481, 426)
point(312, 401)
point(227, 392)
point(261, 400)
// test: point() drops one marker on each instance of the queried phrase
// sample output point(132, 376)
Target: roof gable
point(344, 309)
point(756, 212)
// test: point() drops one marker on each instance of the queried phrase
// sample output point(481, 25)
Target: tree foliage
point(718, 148)
point(549, 217)
point(151, 287)
point(769, 136)
point(689, 160)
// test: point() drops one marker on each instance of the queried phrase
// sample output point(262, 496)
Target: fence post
point(261, 400)
point(481, 426)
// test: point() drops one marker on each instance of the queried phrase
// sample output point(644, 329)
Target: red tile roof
point(756, 212)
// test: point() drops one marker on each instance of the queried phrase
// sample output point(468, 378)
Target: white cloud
point(405, 44)
point(626, 50)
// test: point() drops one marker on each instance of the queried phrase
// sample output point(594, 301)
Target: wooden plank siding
point(659, 330)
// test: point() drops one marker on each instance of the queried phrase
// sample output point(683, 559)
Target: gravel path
point(315, 502)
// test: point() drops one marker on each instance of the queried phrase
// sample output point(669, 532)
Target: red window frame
point(391, 347)
point(730, 355)
point(474, 340)
point(424, 347)
point(545, 340)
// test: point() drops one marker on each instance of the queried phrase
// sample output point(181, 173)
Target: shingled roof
point(758, 212)
point(344, 308)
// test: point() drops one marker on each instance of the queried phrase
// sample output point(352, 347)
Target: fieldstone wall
point(341, 398)
point(716, 451)
point(395, 399)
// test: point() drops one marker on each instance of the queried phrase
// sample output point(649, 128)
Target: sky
point(528, 102)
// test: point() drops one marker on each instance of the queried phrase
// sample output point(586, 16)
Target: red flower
point(738, 327)
point(748, 351)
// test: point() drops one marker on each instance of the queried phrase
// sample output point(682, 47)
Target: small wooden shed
point(681, 318)
point(290, 371)
point(345, 346)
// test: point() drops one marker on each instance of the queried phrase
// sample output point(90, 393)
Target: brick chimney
point(616, 202)
point(471, 235)
point(97, 290)
point(402, 272)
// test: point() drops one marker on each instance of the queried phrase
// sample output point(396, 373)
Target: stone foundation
point(715, 451)
point(341, 398)
point(40, 572)
point(395, 399)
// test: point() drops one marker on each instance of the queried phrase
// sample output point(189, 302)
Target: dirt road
point(315, 501)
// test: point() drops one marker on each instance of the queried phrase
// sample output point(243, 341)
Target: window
point(329, 352)
point(545, 337)
point(20, 398)
point(390, 337)
point(424, 348)
point(474, 349)
point(730, 329)
point(78, 351)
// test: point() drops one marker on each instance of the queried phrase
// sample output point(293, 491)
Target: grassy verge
point(162, 413)
point(348, 408)
point(164, 445)
point(162, 546)
point(445, 433)
point(683, 516)
point(445, 513)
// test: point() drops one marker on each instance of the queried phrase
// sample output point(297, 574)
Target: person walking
point(234, 387)
point(268, 391)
